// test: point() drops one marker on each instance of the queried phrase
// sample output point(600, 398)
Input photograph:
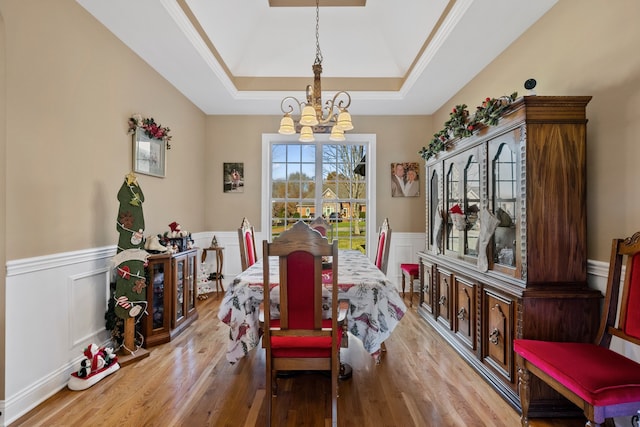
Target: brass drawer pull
point(442, 300)
point(494, 336)
point(462, 313)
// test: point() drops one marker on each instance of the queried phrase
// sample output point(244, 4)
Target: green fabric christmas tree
point(130, 259)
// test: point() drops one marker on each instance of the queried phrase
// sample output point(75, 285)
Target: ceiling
point(243, 56)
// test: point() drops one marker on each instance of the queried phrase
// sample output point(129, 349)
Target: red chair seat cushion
point(302, 346)
point(598, 375)
point(410, 269)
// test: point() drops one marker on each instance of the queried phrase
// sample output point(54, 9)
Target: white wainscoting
point(56, 306)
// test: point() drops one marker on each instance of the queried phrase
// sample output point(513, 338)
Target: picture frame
point(149, 155)
point(233, 177)
point(405, 179)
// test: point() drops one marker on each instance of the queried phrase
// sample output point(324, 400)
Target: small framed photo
point(233, 177)
point(405, 179)
point(149, 155)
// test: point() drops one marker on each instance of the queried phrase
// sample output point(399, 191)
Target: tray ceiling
point(242, 57)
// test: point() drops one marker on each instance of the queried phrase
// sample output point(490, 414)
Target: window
point(307, 180)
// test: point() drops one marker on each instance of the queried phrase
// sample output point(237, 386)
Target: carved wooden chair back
point(247, 242)
point(382, 251)
point(300, 338)
point(322, 226)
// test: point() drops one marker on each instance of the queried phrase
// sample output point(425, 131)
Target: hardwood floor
point(188, 382)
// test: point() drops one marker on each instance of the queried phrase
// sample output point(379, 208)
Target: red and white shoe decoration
point(97, 364)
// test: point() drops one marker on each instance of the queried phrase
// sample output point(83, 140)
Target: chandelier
point(313, 117)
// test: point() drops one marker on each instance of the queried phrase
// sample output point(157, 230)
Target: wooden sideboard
point(529, 172)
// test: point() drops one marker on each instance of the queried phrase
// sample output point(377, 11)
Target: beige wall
point(3, 189)
point(71, 86)
point(583, 47)
point(239, 139)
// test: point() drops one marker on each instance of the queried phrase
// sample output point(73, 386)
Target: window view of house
point(320, 179)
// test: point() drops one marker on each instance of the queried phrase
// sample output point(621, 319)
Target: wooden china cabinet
point(171, 296)
point(529, 172)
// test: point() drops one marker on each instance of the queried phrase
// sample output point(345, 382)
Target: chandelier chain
point(318, 52)
point(313, 116)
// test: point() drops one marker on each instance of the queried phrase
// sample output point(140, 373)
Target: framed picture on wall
point(149, 156)
point(233, 177)
point(405, 179)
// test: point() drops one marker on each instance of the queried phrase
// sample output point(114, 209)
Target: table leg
point(219, 260)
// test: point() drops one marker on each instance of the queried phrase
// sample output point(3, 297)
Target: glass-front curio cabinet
point(171, 296)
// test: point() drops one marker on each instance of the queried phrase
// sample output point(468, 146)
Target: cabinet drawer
point(497, 334)
point(443, 296)
point(464, 310)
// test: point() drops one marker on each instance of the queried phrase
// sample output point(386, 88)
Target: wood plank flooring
point(188, 382)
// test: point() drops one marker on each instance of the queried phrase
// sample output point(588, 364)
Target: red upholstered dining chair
point(382, 254)
point(246, 239)
point(321, 225)
point(382, 251)
point(600, 381)
point(410, 272)
point(301, 339)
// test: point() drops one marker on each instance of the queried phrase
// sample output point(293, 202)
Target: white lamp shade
point(337, 134)
point(306, 134)
point(344, 121)
point(286, 126)
point(308, 117)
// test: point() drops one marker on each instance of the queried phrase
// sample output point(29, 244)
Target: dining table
point(374, 305)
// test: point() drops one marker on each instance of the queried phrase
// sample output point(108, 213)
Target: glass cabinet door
point(191, 268)
point(158, 289)
point(156, 325)
point(435, 221)
point(503, 187)
point(472, 205)
point(180, 290)
point(453, 198)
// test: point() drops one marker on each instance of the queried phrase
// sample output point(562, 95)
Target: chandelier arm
point(346, 99)
point(341, 100)
point(287, 103)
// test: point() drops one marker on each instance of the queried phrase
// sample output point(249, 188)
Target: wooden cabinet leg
point(525, 394)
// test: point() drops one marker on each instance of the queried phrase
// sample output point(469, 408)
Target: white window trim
point(367, 139)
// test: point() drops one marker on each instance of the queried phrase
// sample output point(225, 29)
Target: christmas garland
point(460, 125)
point(150, 127)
